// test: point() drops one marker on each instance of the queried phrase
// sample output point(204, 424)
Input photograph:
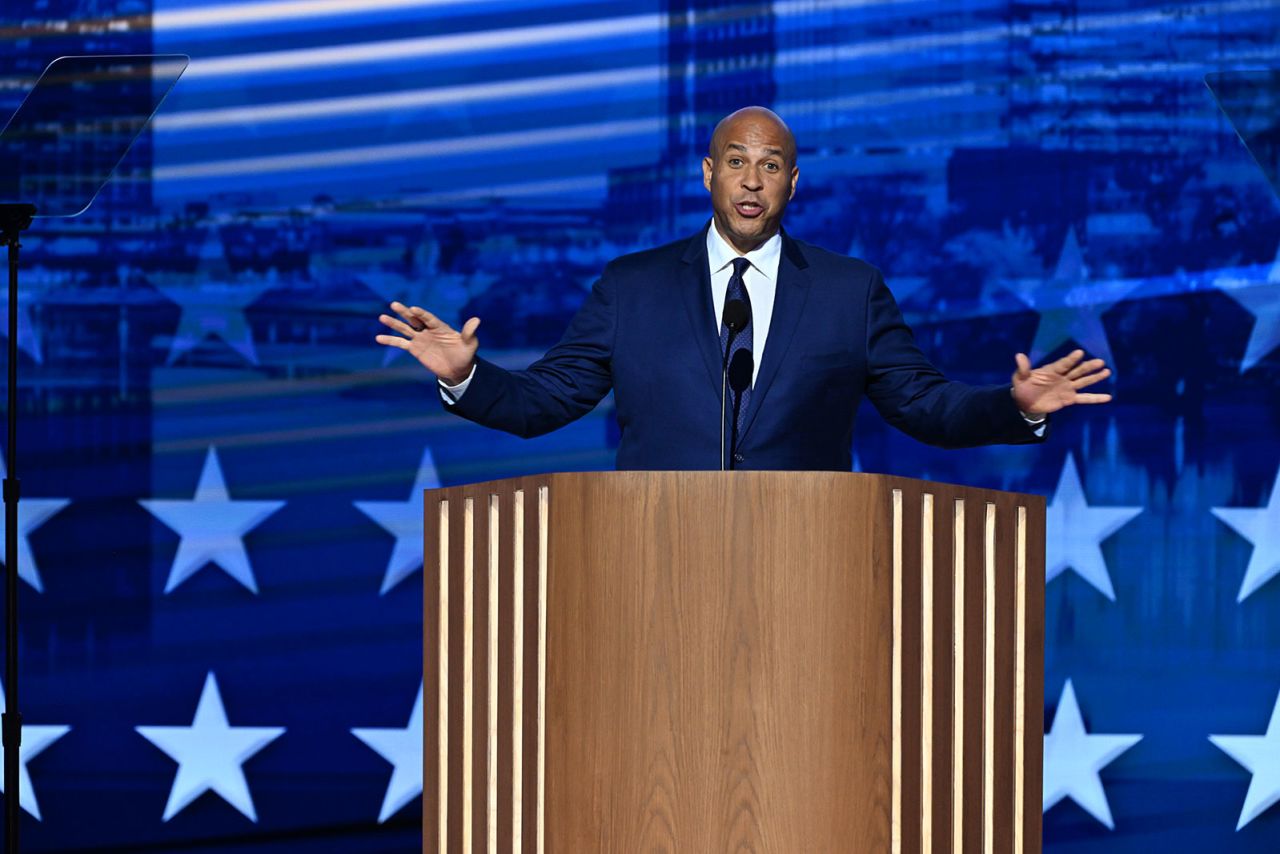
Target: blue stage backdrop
point(222, 471)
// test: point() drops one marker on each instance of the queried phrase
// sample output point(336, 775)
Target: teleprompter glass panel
point(75, 126)
point(1251, 102)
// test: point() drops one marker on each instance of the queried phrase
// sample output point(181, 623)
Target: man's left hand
point(1057, 385)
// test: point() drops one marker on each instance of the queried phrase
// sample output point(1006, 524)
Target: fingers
point(1084, 368)
point(469, 328)
point(1068, 362)
point(1090, 379)
point(1093, 398)
point(418, 318)
point(1024, 366)
point(393, 341)
point(398, 325)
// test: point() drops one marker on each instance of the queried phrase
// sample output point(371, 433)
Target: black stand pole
point(13, 220)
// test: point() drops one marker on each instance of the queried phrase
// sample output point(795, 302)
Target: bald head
point(733, 124)
point(751, 174)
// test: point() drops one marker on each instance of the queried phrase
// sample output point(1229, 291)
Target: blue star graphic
point(403, 749)
point(403, 520)
point(1071, 306)
point(211, 526)
point(1073, 759)
point(1260, 526)
point(1261, 298)
point(210, 754)
point(1260, 755)
point(213, 302)
point(1075, 531)
point(32, 513)
point(35, 739)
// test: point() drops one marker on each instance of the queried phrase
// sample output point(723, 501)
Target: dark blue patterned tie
point(742, 341)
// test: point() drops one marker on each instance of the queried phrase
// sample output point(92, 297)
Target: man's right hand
point(444, 351)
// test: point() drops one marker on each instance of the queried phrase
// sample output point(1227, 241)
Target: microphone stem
point(733, 437)
point(724, 388)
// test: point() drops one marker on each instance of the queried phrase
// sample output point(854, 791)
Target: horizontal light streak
point(281, 10)
point(555, 188)
point(418, 98)
point(425, 46)
point(931, 42)
point(234, 14)
point(883, 98)
point(589, 133)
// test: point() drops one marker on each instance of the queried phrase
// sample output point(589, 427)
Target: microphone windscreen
point(740, 369)
point(736, 315)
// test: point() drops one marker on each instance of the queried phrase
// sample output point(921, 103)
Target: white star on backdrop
point(1073, 758)
point(1262, 300)
point(1260, 755)
point(213, 302)
point(1075, 531)
point(34, 740)
point(1260, 526)
point(1071, 306)
point(211, 526)
point(32, 513)
point(209, 754)
point(403, 749)
point(403, 519)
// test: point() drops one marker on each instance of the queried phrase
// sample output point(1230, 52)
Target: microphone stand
point(14, 218)
point(736, 315)
point(739, 376)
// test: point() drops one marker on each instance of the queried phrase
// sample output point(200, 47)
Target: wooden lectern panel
point(755, 661)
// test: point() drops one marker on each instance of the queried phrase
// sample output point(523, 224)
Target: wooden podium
point(707, 662)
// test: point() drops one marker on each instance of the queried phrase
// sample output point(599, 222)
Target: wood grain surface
point(719, 665)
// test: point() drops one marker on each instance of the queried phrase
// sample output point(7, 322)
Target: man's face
point(751, 179)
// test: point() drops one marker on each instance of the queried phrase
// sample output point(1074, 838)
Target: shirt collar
point(764, 258)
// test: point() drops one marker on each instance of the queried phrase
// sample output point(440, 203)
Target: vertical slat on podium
point(510, 554)
point(926, 673)
point(480, 676)
point(959, 665)
point(460, 556)
point(535, 531)
point(911, 683)
point(1004, 609)
point(435, 679)
point(1033, 742)
point(973, 667)
point(943, 621)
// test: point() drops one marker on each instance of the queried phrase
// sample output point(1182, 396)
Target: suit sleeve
point(562, 386)
point(914, 396)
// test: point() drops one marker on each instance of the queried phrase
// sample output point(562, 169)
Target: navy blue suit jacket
point(648, 332)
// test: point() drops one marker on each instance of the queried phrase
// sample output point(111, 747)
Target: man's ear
point(795, 176)
point(706, 172)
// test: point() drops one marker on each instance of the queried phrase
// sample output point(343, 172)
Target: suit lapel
point(788, 306)
point(695, 290)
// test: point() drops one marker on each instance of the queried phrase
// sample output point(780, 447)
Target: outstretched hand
point(444, 351)
point(1057, 385)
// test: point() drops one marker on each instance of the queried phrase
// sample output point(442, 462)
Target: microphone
point(736, 316)
point(740, 371)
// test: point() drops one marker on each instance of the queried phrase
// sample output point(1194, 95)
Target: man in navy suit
point(823, 331)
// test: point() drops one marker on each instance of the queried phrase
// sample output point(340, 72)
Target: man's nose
point(751, 180)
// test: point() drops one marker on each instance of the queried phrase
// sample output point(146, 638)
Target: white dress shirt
point(760, 279)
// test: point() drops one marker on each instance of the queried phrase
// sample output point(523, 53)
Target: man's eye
point(734, 161)
point(772, 167)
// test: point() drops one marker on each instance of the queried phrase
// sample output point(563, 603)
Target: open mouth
point(750, 210)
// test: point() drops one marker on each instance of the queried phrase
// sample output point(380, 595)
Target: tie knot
point(740, 266)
